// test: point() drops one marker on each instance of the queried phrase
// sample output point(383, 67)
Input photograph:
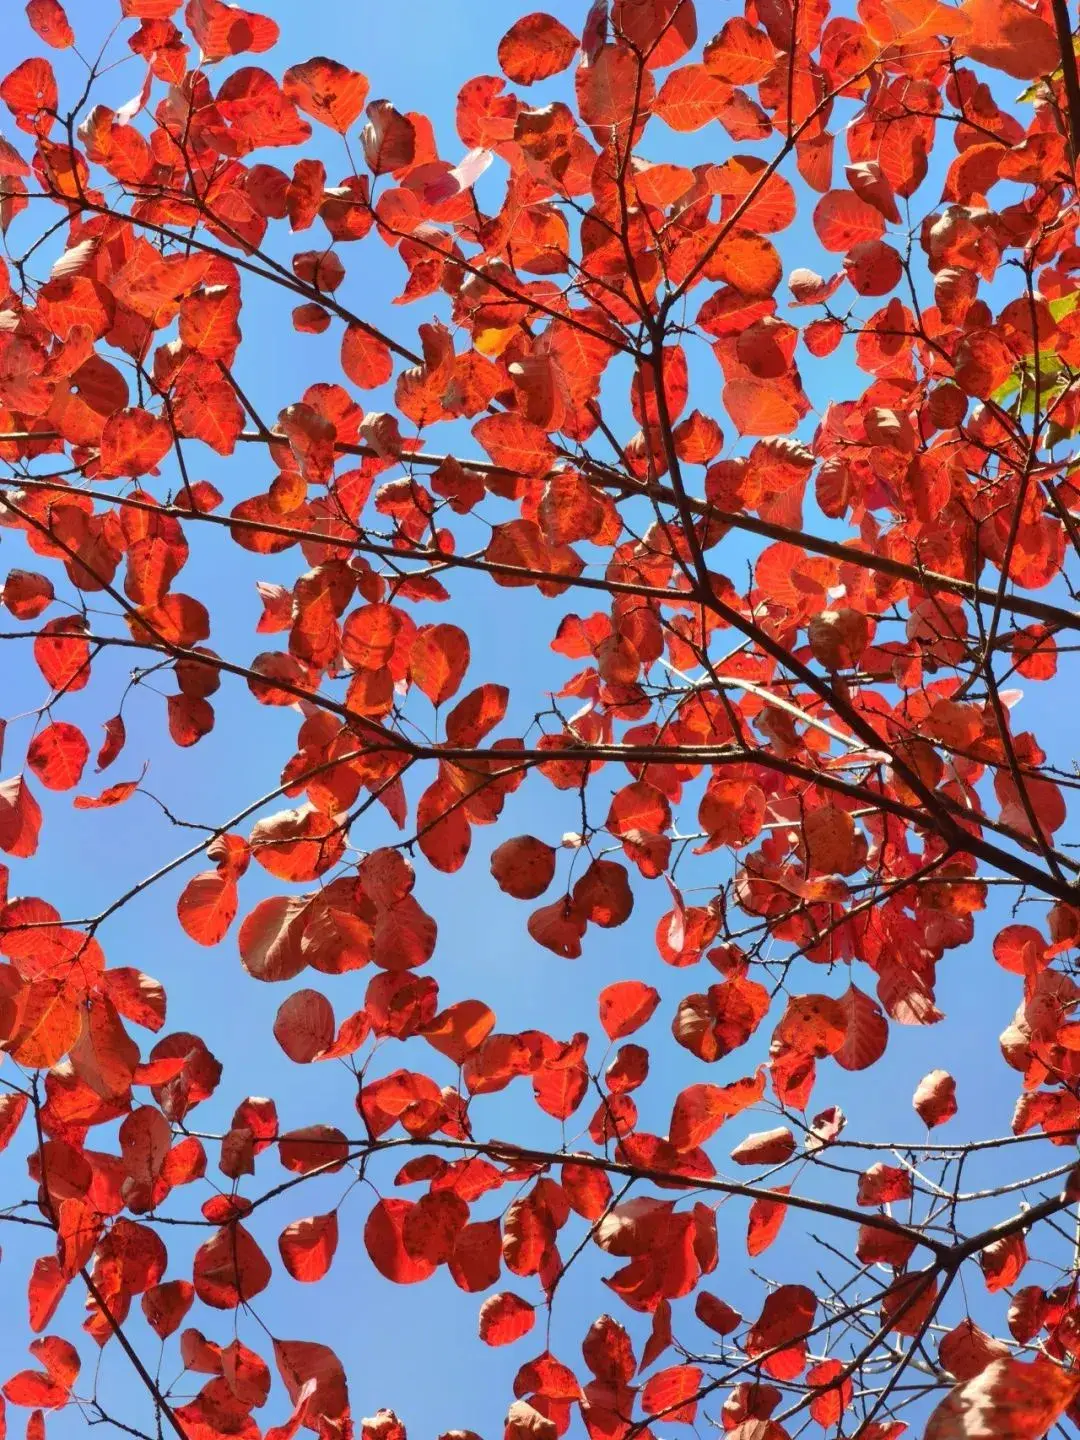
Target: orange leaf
point(438, 660)
point(297, 844)
point(690, 97)
point(457, 1031)
point(740, 54)
point(221, 29)
point(328, 91)
point(536, 47)
point(50, 22)
point(365, 358)
point(842, 220)
point(1006, 35)
point(207, 906)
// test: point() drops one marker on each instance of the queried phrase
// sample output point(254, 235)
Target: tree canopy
point(799, 548)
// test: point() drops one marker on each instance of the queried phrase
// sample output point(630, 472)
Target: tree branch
point(1063, 26)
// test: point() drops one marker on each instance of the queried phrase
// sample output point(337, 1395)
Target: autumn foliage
point(799, 547)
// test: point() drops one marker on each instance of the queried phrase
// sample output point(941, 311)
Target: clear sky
point(412, 1349)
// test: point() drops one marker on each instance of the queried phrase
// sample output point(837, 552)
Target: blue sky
point(415, 1350)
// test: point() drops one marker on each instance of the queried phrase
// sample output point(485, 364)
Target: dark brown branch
point(928, 580)
point(1069, 76)
point(133, 1355)
point(164, 1408)
point(633, 755)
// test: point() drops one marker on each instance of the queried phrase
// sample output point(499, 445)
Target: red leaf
point(782, 1326)
point(165, 1306)
point(12, 1110)
point(115, 739)
point(1002, 1262)
point(867, 1031)
point(525, 1422)
point(832, 1395)
point(314, 1147)
point(935, 1098)
point(1009, 37)
point(45, 1291)
point(1020, 949)
point(716, 1313)
point(30, 94)
point(476, 714)
point(1010, 1400)
point(559, 927)
point(303, 1363)
point(662, 31)
point(740, 54)
point(63, 654)
point(587, 1188)
point(58, 754)
point(870, 184)
point(20, 818)
point(521, 447)
point(523, 867)
point(769, 1147)
point(444, 834)
point(813, 1025)
point(384, 1241)
point(389, 139)
point(230, 1269)
point(883, 1185)
point(433, 1225)
point(134, 442)
point(766, 1218)
point(700, 1110)
point(671, 1394)
point(504, 1318)
point(307, 1246)
point(611, 92)
point(27, 594)
point(111, 795)
point(304, 1026)
point(757, 408)
point(476, 1261)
